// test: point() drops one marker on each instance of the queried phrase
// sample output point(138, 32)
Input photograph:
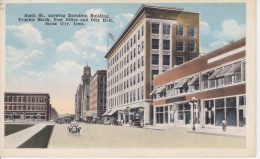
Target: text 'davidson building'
point(204, 91)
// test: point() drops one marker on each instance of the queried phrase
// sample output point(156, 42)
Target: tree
point(54, 114)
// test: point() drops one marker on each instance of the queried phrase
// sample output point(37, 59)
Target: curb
point(215, 134)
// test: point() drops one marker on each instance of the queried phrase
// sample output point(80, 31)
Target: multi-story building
point(29, 106)
point(204, 91)
point(85, 81)
point(98, 87)
point(155, 40)
point(78, 103)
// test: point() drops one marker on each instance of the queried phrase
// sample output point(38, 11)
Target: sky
point(50, 59)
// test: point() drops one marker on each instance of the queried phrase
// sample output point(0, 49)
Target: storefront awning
point(233, 69)
point(105, 114)
point(153, 92)
point(194, 80)
point(112, 112)
point(182, 83)
point(161, 90)
point(213, 76)
point(224, 70)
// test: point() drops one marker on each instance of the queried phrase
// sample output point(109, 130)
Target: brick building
point(98, 85)
point(29, 106)
point(155, 40)
point(216, 82)
point(78, 103)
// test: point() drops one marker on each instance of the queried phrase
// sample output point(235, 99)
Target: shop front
point(231, 108)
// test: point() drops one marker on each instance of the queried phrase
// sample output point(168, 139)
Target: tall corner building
point(155, 40)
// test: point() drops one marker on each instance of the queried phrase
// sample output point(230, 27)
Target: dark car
point(136, 121)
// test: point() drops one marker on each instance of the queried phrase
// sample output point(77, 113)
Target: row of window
point(219, 77)
point(128, 97)
point(25, 99)
point(126, 47)
point(25, 107)
point(155, 59)
point(128, 83)
point(156, 29)
point(191, 31)
point(127, 71)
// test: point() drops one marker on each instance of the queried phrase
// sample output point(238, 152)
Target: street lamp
point(194, 102)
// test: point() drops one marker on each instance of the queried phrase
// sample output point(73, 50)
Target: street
point(108, 136)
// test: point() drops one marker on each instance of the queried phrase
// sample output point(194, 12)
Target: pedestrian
point(224, 125)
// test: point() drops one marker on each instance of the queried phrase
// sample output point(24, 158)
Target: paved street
point(108, 136)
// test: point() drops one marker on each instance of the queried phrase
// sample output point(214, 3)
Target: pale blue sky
point(43, 58)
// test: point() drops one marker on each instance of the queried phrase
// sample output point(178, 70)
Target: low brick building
point(29, 106)
point(204, 91)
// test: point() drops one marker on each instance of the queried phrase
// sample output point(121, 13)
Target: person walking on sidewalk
point(224, 125)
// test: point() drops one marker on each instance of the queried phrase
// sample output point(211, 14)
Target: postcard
point(120, 79)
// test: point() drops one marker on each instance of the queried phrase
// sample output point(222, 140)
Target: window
point(142, 75)
point(142, 93)
point(192, 32)
point(179, 60)
point(180, 46)
point(192, 47)
point(155, 59)
point(138, 63)
point(154, 72)
point(142, 30)
point(166, 59)
point(134, 39)
point(142, 60)
point(166, 44)
point(166, 29)
point(138, 34)
point(155, 43)
point(180, 30)
point(155, 28)
point(139, 49)
point(142, 45)
point(134, 52)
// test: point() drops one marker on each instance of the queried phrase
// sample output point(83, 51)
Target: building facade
point(78, 103)
point(204, 91)
point(98, 85)
point(156, 39)
point(27, 106)
point(85, 81)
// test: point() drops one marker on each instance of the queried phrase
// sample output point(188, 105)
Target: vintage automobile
point(74, 129)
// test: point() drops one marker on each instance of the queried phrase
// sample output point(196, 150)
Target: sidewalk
point(18, 138)
point(219, 132)
point(157, 127)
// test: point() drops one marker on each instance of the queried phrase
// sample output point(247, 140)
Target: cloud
point(95, 11)
point(67, 67)
point(217, 44)
point(27, 33)
point(37, 75)
point(204, 28)
point(67, 48)
point(122, 20)
point(231, 30)
point(17, 58)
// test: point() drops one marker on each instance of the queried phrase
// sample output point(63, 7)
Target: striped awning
point(235, 67)
point(223, 71)
point(161, 89)
point(217, 71)
point(153, 92)
point(193, 80)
